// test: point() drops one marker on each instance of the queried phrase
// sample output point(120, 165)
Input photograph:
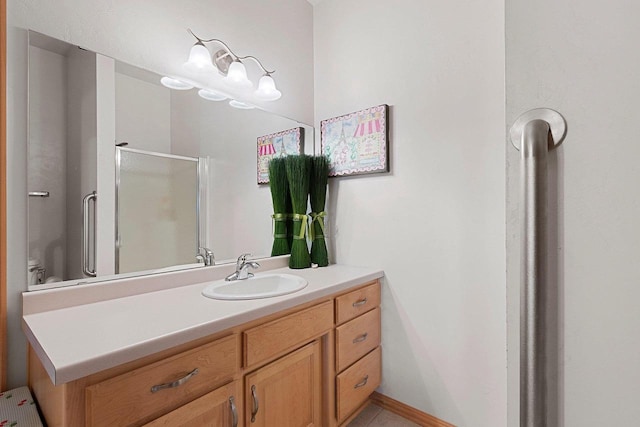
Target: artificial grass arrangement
point(293, 180)
point(317, 197)
point(281, 199)
point(298, 175)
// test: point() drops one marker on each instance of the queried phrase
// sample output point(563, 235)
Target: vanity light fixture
point(230, 65)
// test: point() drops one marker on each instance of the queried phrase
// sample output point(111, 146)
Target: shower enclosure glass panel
point(157, 206)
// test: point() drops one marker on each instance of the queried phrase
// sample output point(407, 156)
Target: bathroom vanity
point(171, 357)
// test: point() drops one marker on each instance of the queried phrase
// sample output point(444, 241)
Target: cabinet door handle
point(363, 383)
point(176, 383)
point(360, 338)
point(256, 405)
point(359, 302)
point(234, 412)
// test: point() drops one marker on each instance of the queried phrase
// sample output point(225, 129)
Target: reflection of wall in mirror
point(143, 114)
point(62, 154)
point(240, 210)
point(47, 165)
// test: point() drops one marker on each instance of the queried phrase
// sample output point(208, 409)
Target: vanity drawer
point(220, 407)
point(266, 341)
point(355, 385)
point(128, 399)
point(357, 302)
point(356, 338)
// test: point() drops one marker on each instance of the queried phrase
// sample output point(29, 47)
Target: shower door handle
point(86, 236)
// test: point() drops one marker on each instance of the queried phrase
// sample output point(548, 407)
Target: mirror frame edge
point(3, 195)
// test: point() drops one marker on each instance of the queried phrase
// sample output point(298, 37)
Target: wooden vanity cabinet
point(312, 365)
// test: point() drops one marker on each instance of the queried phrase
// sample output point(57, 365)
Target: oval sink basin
point(259, 286)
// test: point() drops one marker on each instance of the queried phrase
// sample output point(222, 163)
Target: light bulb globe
point(241, 105)
point(267, 89)
point(237, 76)
point(211, 95)
point(176, 84)
point(199, 59)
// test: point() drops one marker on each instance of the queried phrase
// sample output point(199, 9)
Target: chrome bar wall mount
point(534, 133)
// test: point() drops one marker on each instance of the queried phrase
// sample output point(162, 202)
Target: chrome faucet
point(242, 268)
point(40, 272)
point(205, 255)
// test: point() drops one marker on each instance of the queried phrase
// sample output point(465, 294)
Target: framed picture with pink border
point(357, 143)
point(279, 144)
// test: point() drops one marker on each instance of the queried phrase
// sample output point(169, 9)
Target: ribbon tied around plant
point(319, 218)
point(278, 217)
point(303, 226)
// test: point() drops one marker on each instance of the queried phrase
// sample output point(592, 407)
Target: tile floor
point(375, 416)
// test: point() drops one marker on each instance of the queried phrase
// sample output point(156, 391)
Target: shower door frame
point(199, 190)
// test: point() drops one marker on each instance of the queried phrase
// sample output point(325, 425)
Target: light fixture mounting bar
point(228, 49)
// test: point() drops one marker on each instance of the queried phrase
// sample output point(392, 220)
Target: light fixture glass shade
point(241, 105)
point(237, 76)
point(173, 83)
point(211, 95)
point(267, 89)
point(199, 59)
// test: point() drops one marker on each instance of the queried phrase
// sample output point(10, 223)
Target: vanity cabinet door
point(287, 392)
point(219, 408)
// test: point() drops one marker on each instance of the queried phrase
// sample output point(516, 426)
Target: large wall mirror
point(128, 177)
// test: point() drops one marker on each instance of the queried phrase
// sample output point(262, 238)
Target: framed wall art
point(357, 143)
point(278, 144)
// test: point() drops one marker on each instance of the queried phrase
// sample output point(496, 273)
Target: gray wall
point(435, 224)
point(582, 59)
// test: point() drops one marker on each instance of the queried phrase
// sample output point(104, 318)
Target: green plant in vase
point(280, 197)
point(298, 174)
point(317, 197)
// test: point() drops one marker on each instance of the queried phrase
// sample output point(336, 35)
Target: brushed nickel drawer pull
point(360, 338)
point(254, 410)
point(234, 412)
point(176, 383)
point(359, 302)
point(363, 383)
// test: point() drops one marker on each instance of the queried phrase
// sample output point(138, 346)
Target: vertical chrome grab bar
point(534, 133)
point(85, 234)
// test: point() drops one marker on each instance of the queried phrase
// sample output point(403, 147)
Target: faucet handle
point(206, 251)
point(206, 255)
point(242, 259)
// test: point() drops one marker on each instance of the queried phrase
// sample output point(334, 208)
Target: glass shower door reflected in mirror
point(157, 205)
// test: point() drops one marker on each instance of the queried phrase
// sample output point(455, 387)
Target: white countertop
point(76, 341)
